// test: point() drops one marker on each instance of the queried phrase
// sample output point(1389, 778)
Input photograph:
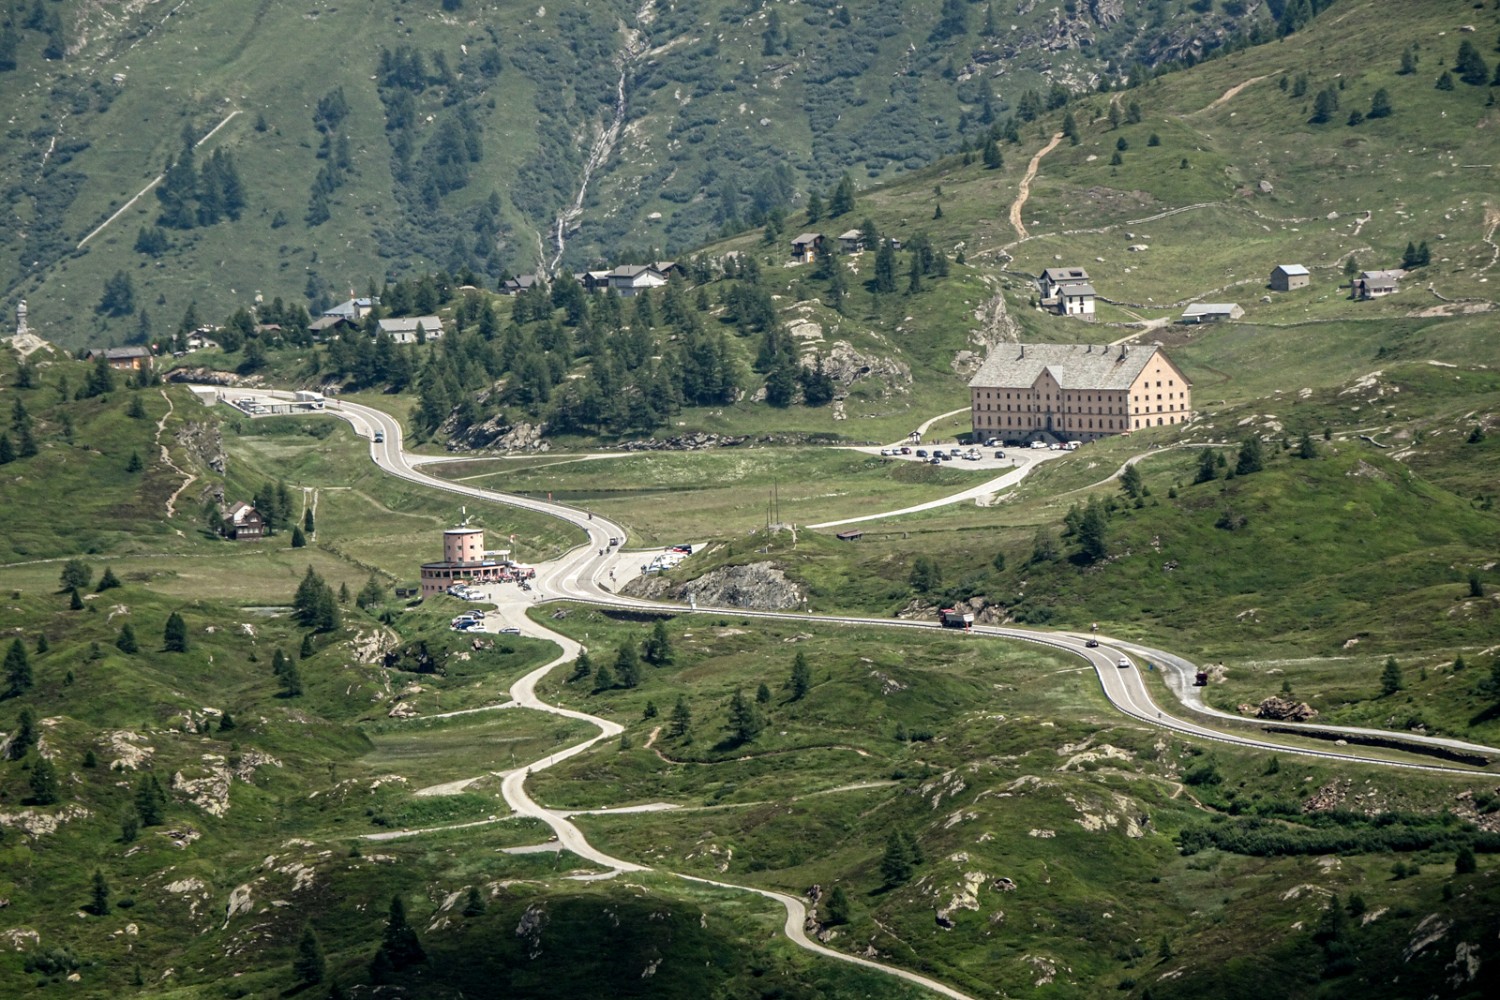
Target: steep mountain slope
point(385, 137)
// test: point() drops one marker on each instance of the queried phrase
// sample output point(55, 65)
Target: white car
point(1124, 662)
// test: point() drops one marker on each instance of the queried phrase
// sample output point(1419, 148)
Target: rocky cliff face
point(203, 441)
point(756, 586)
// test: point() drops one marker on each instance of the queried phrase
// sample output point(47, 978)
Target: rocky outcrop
point(497, 434)
point(213, 376)
point(204, 441)
point(1284, 709)
point(686, 442)
point(757, 586)
point(847, 366)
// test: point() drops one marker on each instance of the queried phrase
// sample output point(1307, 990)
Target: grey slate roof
point(1210, 309)
point(431, 325)
point(807, 238)
point(1291, 269)
point(1075, 366)
point(1078, 288)
point(1065, 274)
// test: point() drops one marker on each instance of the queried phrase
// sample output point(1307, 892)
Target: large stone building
point(1076, 392)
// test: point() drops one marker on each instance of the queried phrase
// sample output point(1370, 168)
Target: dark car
point(999, 454)
point(1092, 642)
point(921, 452)
point(935, 460)
point(905, 450)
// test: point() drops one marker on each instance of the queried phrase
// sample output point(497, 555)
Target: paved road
point(577, 575)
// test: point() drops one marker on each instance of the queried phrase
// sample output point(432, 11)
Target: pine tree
point(1305, 448)
point(800, 681)
point(1444, 81)
point(7, 450)
point(474, 904)
point(175, 634)
point(75, 600)
point(1130, 481)
point(582, 667)
point(1472, 69)
point(837, 911)
point(309, 966)
point(681, 722)
point(150, 800)
point(1390, 677)
point(226, 722)
point(371, 594)
point(1069, 127)
point(897, 864)
point(763, 694)
point(307, 521)
point(126, 642)
point(99, 895)
point(43, 782)
point(299, 540)
point(657, 650)
point(1380, 104)
point(76, 575)
point(130, 826)
point(841, 202)
point(1251, 458)
point(1092, 532)
point(400, 942)
point(1324, 106)
point(108, 581)
point(993, 159)
point(745, 722)
point(18, 674)
point(604, 678)
point(25, 736)
point(307, 649)
point(627, 665)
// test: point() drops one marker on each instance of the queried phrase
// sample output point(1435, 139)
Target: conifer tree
point(150, 800)
point(18, 673)
point(658, 648)
point(43, 782)
point(25, 736)
point(604, 678)
point(897, 864)
point(474, 904)
point(681, 722)
point(745, 722)
point(309, 966)
point(108, 581)
point(99, 895)
point(175, 634)
point(800, 681)
point(400, 942)
point(126, 642)
point(583, 667)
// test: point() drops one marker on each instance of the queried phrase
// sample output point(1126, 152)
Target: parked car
point(935, 460)
point(885, 453)
point(921, 452)
point(510, 630)
point(992, 442)
point(905, 450)
point(1039, 446)
point(999, 454)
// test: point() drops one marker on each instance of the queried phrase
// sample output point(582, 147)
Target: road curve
point(575, 576)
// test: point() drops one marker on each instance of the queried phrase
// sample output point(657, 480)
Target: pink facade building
point(464, 562)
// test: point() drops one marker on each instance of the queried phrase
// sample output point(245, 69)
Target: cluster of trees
point(39, 18)
point(1416, 255)
point(314, 605)
point(338, 161)
point(23, 427)
point(1341, 833)
point(1251, 459)
point(191, 196)
point(903, 855)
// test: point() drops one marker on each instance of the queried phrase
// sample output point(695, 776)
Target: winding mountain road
point(576, 575)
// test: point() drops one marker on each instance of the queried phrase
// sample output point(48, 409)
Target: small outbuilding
point(852, 535)
point(1286, 277)
point(1211, 312)
point(852, 242)
point(1377, 284)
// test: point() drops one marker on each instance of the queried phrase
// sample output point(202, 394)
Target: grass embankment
point(674, 496)
point(1018, 772)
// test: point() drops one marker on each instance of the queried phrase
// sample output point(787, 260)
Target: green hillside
point(393, 137)
point(222, 752)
